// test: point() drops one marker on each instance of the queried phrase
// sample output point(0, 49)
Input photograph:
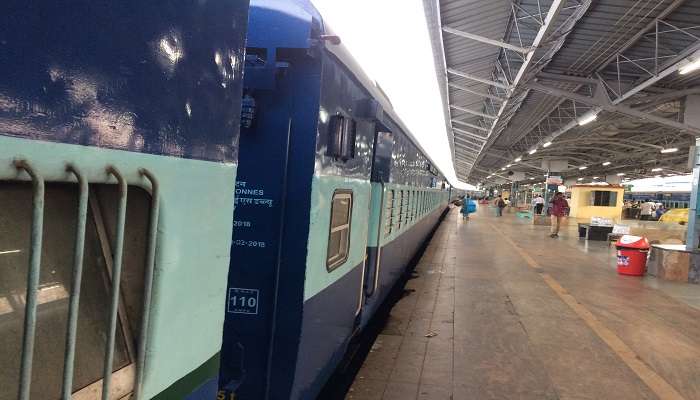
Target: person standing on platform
point(557, 207)
point(500, 205)
point(646, 210)
point(539, 204)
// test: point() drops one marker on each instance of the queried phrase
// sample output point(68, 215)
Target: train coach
point(119, 125)
point(334, 198)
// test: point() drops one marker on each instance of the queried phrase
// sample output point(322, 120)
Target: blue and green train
point(119, 128)
point(187, 213)
point(334, 198)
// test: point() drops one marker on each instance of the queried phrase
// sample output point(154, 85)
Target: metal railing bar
point(148, 281)
point(116, 278)
point(68, 361)
point(32, 277)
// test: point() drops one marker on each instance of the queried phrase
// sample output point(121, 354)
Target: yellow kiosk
point(597, 200)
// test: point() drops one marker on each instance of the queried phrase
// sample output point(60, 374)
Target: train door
point(381, 206)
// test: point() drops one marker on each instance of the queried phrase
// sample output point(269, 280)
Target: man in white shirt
point(646, 210)
point(538, 202)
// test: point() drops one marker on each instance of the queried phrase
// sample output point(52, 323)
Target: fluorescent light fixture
point(518, 159)
point(656, 169)
point(532, 179)
point(533, 151)
point(605, 164)
point(669, 150)
point(509, 165)
point(579, 179)
point(588, 117)
point(621, 174)
point(690, 66)
point(582, 168)
point(547, 144)
point(503, 169)
point(595, 177)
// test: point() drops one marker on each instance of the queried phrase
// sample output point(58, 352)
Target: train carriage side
point(315, 163)
point(119, 127)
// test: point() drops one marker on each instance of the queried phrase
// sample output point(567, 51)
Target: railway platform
point(498, 310)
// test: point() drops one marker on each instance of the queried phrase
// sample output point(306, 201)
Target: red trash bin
point(632, 255)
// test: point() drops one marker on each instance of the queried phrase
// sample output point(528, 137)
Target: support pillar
point(693, 236)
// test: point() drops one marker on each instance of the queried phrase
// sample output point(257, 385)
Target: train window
point(405, 207)
point(339, 231)
point(389, 211)
point(413, 205)
point(341, 144)
point(401, 208)
point(54, 289)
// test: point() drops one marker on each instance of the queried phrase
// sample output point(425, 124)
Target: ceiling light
point(547, 144)
point(533, 151)
point(503, 169)
point(595, 177)
point(621, 174)
point(656, 169)
point(582, 168)
point(690, 66)
point(669, 150)
point(532, 179)
point(605, 164)
point(588, 117)
point(508, 166)
point(579, 179)
point(518, 159)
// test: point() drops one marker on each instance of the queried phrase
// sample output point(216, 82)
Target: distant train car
point(119, 126)
point(668, 199)
point(333, 199)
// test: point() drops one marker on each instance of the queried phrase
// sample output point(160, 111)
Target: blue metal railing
point(76, 280)
point(115, 264)
point(32, 278)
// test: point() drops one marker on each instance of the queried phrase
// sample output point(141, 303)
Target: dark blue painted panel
point(328, 324)
point(161, 77)
point(259, 350)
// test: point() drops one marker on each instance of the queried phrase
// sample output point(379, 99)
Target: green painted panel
point(194, 238)
point(188, 383)
point(317, 277)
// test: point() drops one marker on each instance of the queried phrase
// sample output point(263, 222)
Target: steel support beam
point(467, 124)
point(482, 39)
point(472, 135)
point(545, 29)
point(478, 79)
point(567, 78)
point(611, 107)
point(487, 95)
point(477, 113)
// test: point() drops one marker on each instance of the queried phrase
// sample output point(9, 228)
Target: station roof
point(519, 76)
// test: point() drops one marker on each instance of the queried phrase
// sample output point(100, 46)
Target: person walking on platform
point(538, 201)
point(468, 207)
point(557, 207)
point(500, 205)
